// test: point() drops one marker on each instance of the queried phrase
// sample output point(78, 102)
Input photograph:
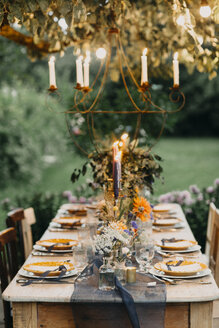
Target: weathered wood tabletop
point(188, 304)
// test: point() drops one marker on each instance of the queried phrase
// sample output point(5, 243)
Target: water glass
point(80, 256)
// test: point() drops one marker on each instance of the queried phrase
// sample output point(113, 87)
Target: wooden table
point(37, 306)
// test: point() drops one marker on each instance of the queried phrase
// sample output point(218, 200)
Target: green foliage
point(139, 167)
point(25, 142)
point(152, 24)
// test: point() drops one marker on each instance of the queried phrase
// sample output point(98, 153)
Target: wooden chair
point(8, 266)
point(29, 220)
point(211, 217)
point(14, 219)
point(214, 250)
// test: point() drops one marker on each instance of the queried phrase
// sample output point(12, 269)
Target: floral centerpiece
point(139, 167)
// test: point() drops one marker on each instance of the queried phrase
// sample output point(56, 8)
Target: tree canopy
point(46, 26)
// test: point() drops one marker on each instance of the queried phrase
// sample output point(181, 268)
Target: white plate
point(163, 207)
point(28, 274)
point(43, 249)
point(197, 275)
point(194, 248)
point(175, 226)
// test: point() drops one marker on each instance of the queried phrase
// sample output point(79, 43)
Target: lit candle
point(52, 74)
point(144, 67)
point(116, 169)
point(175, 69)
point(86, 69)
point(79, 71)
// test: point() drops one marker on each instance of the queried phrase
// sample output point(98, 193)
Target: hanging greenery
point(46, 26)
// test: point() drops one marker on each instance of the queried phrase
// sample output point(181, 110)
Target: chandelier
point(84, 106)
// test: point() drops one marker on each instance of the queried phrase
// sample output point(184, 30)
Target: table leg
point(201, 315)
point(24, 315)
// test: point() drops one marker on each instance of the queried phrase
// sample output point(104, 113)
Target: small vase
point(106, 275)
point(120, 272)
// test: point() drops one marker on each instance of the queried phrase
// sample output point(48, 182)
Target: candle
point(175, 70)
point(86, 69)
point(131, 274)
point(79, 71)
point(116, 169)
point(144, 67)
point(52, 74)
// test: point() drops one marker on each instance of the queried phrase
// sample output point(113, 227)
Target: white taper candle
point(52, 74)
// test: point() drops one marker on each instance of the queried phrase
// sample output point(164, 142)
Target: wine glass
point(144, 253)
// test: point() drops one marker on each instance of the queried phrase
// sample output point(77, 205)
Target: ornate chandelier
point(84, 106)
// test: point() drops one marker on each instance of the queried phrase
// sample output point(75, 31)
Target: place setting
point(49, 272)
point(54, 247)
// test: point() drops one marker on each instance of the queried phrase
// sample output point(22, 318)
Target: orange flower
point(142, 208)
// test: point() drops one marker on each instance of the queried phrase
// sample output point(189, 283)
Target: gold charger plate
point(40, 267)
point(166, 222)
point(197, 267)
point(68, 221)
point(63, 244)
point(175, 247)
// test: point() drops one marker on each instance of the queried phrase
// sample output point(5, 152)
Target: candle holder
point(52, 88)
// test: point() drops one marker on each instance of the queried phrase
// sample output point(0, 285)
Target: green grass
point(187, 161)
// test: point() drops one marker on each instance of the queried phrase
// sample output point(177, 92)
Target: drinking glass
point(144, 253)
point(80, 256)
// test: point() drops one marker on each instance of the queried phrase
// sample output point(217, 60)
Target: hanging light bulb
point(181, 20)
point(205, 10)
point(101, 53)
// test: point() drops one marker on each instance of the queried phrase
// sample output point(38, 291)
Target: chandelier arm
point(126, 63)
point(90, 133)
point(98, 73)
point(123, 78)
point(70, 133)
point(137, 131)
point(58, 100)
point(161, 131)
point(118, 112)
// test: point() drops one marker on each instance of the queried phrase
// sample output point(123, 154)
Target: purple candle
point(116, 169)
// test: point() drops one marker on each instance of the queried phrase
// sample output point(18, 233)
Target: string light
point(180, 20)
point(101, 53)
point(205, 10)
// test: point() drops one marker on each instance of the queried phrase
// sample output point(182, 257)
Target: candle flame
point(115, 143)
point(52, 59)
point(120, 144)
point(175, 57)
point(124, 136)
point(118, 156)
point(145, 51)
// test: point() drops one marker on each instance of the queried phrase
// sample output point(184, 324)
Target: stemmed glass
point(144, 253)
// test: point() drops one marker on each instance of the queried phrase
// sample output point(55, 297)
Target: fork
point(178, 281)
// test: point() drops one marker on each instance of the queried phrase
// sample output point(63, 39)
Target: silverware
point(166, 230)
point(44, 281)
point(36, 253)
point(178, 281)
point(177, 254)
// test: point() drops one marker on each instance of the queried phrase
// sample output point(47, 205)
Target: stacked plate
point(60, 245)
point(178, 245)
point(54, 268)
point(180, 269)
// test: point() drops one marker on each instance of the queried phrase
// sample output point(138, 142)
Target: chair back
point(29, 220)
point(8, 266)
point(214, 251)
point(14, 219)
point(211, 216)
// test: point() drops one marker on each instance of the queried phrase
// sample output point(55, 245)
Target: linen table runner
point(149, 302)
